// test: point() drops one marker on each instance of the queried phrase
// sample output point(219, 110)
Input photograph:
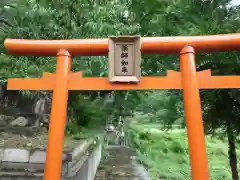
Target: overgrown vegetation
point(165, 154)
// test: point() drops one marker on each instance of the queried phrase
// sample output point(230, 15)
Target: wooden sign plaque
point(124, 59)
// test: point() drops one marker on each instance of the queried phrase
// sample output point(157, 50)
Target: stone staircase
point(121, 165)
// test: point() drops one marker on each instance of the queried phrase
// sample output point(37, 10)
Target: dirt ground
point(9, 140)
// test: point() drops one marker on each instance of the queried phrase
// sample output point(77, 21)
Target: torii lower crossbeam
point(173, 80)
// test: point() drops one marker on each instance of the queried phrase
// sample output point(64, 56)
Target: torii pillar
point(193, 113)
point(58, 117)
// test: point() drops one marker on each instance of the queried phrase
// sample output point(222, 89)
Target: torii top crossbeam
point(98, 47)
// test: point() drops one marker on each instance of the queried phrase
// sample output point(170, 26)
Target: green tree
point(67, 20)
point(175, 17)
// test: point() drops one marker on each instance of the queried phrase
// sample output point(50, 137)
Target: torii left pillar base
point(53, 167)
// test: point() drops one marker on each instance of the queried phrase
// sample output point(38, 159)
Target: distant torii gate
point(188, 79)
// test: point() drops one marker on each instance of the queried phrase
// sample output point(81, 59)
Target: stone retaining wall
point(80, 164)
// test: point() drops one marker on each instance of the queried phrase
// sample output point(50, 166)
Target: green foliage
point(7, 12)
point(67, 20)
point(86, 113)
point(163, 107)
point(39, 19)
point(165, 154)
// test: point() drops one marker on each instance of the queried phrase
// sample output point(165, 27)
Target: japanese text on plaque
point(124, 59)
point(124, 56)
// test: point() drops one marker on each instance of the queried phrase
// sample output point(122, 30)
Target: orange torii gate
point(188, 79)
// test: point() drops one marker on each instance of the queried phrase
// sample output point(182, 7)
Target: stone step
point(23, 164)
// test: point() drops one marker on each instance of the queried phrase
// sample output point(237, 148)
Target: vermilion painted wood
point(71, 75)
point(172, 81)
point(99, 47)
point(193, 114)
point(53, 166)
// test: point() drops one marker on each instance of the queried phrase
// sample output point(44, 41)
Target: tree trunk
point(232, 152)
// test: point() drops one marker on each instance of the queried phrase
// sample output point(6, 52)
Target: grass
point(165, 154)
